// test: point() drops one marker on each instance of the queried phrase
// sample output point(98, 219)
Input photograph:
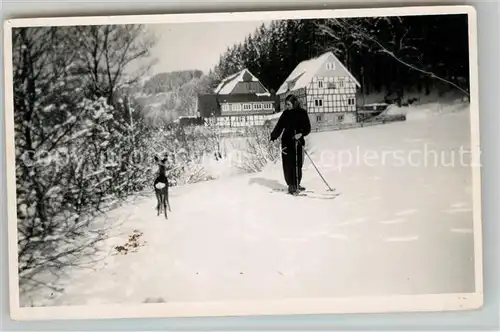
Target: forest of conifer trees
point(386, 54)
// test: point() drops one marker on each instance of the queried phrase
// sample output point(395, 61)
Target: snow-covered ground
point(398, 227)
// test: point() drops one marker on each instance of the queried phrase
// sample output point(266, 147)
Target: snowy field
point(398, 227)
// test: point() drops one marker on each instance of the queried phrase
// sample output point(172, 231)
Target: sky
point(188, 46)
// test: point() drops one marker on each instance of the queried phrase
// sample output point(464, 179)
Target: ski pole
point(317, 170)
point(297, 163)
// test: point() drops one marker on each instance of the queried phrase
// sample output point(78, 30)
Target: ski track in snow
point(402, 239)
point(351, 222)
point(232, 239)
point(462, 230)
point(338, 236)
point(458, 210)
point(459, 205)
point(413, 140)
point(393, 221)
point(405, 212)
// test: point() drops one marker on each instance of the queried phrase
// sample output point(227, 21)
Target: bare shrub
point(258, 151)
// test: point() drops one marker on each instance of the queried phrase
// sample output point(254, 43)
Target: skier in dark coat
point(294, 124)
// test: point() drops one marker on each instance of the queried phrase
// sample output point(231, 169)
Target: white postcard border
point(410, 303)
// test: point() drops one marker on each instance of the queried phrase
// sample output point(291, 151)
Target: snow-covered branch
point(360, 33)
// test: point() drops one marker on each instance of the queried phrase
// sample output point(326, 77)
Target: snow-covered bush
point(77, 147)
point(258, 150)
point(60, 186)
point(186, 150)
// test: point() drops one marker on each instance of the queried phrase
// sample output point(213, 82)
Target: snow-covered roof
point(229, 83)
point(305, 71)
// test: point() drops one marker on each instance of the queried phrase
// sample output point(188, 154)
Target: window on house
point(225, 107)
point(320, 84)
point(350, 101)
point(251, 87)
point(341, 84)
point(257, 106)
point(318, 102)
point(247, 107)
point(236, 107)
point(319, 118)
point(330, 66)
point(340, 118)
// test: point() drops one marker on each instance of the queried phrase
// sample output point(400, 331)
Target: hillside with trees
point(164, 97)
point(386, 54)
point(84, 140)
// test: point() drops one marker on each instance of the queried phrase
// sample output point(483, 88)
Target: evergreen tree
point(392, 54)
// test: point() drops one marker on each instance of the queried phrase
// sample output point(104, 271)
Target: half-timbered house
point(325, 88)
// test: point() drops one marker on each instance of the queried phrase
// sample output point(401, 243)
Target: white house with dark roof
point(325, 88)
point(240, 100)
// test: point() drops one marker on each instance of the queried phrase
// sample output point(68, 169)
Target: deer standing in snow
point(161, 187)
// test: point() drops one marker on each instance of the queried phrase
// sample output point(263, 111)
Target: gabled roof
point(305, 71)
point(229, 83)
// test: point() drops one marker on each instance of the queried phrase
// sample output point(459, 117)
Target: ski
point(310, 194)
point(316, 195)
point(304, 191)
